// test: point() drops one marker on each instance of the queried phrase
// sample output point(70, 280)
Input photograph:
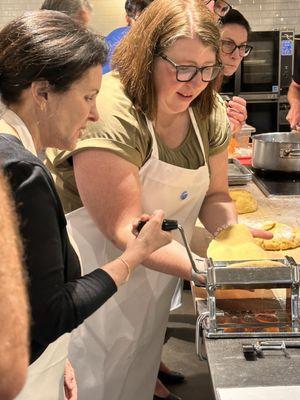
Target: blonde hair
point(159, 26)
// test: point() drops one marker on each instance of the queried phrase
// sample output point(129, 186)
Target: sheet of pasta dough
point(235, 243)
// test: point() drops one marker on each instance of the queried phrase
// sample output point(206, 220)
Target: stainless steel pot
point(276, 151)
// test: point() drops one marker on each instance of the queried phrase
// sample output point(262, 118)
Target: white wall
point(270, 14)
point(109, 14)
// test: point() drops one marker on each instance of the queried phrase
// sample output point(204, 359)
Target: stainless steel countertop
point(229, 368)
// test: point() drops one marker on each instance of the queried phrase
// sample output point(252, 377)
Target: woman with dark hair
point(235, 30)
point(50, 74)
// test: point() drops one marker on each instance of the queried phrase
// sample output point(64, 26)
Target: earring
point(43, 106)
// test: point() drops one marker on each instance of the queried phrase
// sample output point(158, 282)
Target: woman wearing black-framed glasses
point(234, 47)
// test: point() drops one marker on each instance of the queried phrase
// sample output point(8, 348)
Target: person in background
point(50, 70)
point(235, 30)
point(293, 116)
point(133, 9)
point(219, 7)
point(162, 130)
point(14, 310)
point(79, 10)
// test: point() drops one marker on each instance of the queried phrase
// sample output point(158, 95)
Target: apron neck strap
point(196, 129)
point(154, 141)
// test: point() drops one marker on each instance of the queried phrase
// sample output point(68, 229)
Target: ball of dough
point(284, 237)
point(244, 201)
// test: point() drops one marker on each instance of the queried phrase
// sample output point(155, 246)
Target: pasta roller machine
point(275, 316)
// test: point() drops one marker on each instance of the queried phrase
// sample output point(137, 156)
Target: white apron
point(45, 376)
point(45, 379)
point(116, 351)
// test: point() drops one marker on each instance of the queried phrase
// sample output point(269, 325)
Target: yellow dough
point(258, 263)
point(235, 243)
point(284, 236)
point(244, 201)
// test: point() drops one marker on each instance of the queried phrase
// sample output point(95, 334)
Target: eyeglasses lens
point(229, 48)
point(221, 8)
point(188, 73)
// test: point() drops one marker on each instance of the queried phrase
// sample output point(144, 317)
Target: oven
point(269, 67)
point(259, 71)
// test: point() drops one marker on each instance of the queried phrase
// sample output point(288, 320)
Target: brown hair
point(159, 26)
point(45, 45)
point(235, 17)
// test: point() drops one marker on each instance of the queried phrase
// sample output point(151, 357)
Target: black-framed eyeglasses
point(185, 73)
point(221, 7)
point(228, 47)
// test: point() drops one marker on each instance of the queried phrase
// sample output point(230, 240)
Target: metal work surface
point(229, 368)
point(235, 377)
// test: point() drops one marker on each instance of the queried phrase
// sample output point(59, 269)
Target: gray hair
point(69, 7)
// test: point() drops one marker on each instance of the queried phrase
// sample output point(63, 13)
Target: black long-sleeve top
point(60, 299)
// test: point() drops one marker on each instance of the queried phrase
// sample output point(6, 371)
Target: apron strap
point(154, 141)
point(196, 128)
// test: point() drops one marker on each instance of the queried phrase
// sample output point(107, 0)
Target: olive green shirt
point(123, 130)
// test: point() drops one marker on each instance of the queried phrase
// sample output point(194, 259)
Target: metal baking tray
point(238, 174)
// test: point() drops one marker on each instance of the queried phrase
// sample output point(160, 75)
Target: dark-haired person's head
point(134, 8)
point(80, 10)
point(50, 73)
point(235, 30)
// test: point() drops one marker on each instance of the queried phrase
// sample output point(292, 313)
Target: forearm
point(293, 116)
point(294, 94)
point(119, 205)
point(217, 210)
point(171, 259)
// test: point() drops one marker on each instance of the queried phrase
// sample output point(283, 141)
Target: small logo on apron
point(183, 195)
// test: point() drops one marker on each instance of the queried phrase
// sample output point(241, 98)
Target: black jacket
point(60, 299)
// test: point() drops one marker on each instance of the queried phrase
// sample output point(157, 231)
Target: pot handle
point(289, 153)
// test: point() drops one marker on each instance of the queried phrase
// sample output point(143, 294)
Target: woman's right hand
point(151, 237)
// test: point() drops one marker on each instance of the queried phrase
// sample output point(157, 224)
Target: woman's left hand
point(70, 384)
point(237, 113)
point(261, 233)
